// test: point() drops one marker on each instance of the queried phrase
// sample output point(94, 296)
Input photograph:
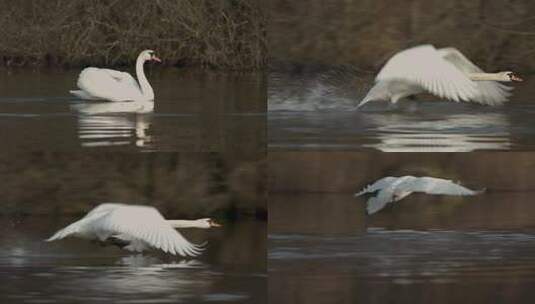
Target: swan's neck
point(185, 224)
point(486, 76)
point(146, 89)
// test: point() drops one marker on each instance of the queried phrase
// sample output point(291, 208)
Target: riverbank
point(211, 34)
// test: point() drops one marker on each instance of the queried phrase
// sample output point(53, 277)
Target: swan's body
point(111, 85)
point(446, 73)
point(134, 228)
point(392, 189)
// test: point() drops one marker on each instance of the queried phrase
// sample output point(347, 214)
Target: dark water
point(194, 111)
point(424, 249)
point(231, 270)
point(315, 111)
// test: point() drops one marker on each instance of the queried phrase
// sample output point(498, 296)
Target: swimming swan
point(392, 189)
point(112, 85)
point(446, 73)
point(135, 228)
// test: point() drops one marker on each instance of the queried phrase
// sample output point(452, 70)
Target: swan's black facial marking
point(153, 57)
point(514, 77)
point(213, 223)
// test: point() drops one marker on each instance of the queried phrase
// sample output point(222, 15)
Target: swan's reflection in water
point(400, 131)
point(452, 133)
point(114, 123)
point(141, 260)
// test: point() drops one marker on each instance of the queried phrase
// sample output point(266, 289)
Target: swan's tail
point(366, 189)
point(378, 92)
point(63, 233)
point(82, 94)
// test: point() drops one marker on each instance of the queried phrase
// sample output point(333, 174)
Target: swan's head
point(510, 76)
point(207, 223)
point(149, 55)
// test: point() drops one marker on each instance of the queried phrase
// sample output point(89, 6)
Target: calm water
point(315, 110)
point(426, 249)
point(195, 111)
point(231, 270)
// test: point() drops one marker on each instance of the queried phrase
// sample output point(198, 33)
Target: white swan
point(135, 228)
point(446, 73)
point(393, 189)
point(112, 85)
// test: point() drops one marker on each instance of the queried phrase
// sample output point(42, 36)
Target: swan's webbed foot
point(117, 242)
point(112, 241)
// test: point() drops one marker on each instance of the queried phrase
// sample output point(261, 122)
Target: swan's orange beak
point(516, 78)
point(156, 59)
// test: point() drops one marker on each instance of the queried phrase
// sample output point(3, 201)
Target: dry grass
point(495, 34)
point(179, 184)
point(227, 34)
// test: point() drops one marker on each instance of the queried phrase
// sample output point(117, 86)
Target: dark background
point(495, 34)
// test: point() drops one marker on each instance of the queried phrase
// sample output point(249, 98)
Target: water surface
point(194, 111)
point(424, 249)
point(231, 270)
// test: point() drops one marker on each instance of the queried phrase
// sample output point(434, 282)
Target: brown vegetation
point(495, 34)
point(226, 34)
point(179, 184)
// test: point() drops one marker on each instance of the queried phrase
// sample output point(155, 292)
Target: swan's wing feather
point(489, 92)
point(455, 57)
point(103, 84)
point(147, 224)
point(432, 185)
point(424, 66)
point(84, 223)
point(378, 202)
point(122, 77)
point(492, 93)
point(377, 185)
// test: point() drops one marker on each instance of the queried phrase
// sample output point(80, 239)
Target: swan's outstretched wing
point(391, 187)
point(378, 202)
point(108, 84)
point(146, 224)
point(432, 185)
point(378, 185)
point(489, 92)
point(424, 66)
point(86, 223)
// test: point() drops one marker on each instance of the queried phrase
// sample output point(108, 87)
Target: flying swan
point(112, 85)
point(135, 228)
point(392, 189)
point(445, 72)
